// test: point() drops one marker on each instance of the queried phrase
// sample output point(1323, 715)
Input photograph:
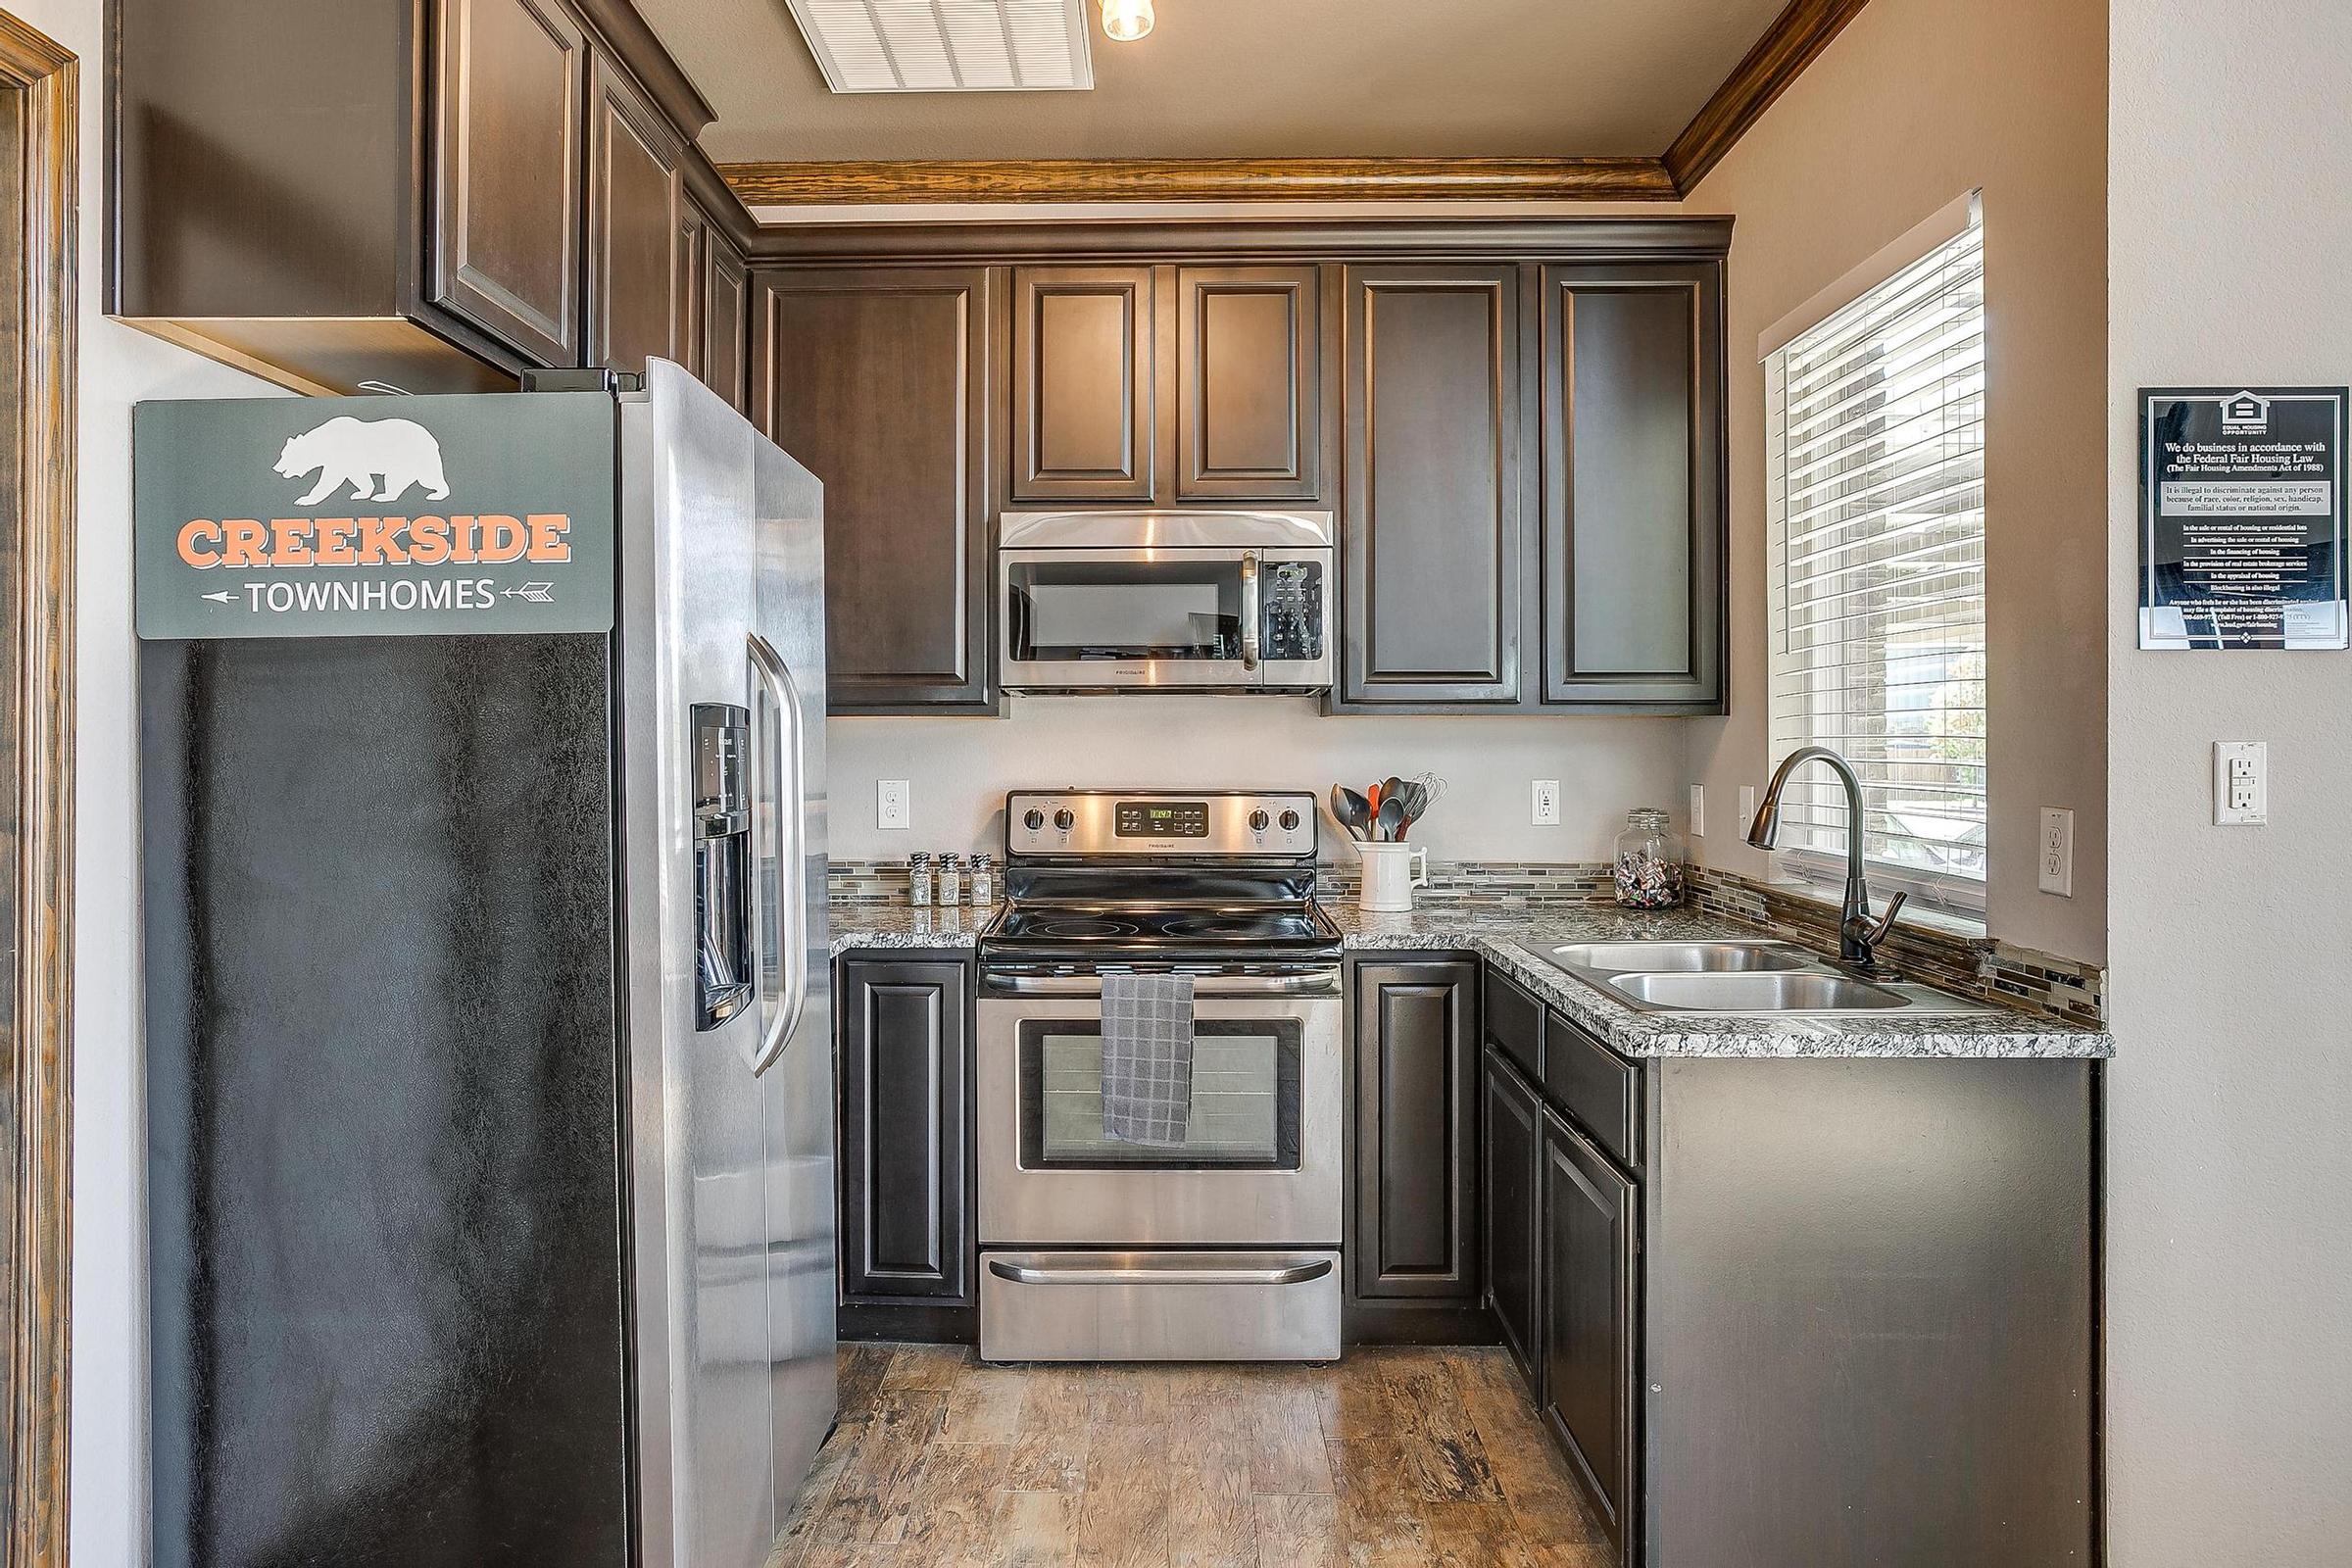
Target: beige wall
point(961, 767)
point(1915, 102)
point(118, 367)
point(2229, 1105)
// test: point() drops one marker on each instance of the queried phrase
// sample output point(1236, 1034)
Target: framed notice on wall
point(2241, 518)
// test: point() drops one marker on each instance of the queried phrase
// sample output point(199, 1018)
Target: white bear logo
point(358, 452)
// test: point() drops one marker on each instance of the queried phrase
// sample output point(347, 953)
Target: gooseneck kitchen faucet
point(1858, 936)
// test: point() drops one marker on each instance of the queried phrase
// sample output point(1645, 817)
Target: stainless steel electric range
point(1226, 1244)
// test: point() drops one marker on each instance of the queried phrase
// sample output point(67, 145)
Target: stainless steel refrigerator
point(490, 1083)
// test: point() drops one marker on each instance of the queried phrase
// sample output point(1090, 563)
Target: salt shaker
point(950, 880)
point(919, 879)
point(984, 881)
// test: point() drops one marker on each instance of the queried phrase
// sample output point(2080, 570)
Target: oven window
point(1245, 1111)
point(1125, 609)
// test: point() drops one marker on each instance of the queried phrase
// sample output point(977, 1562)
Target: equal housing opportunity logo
point(491, 512)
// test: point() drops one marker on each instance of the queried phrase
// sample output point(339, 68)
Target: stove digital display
point(1160, 819)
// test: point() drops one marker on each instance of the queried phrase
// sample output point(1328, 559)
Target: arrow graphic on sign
point(537, 593)
point(224, 597)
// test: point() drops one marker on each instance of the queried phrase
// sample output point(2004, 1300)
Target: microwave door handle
point(1251, 610)
point(783, 767)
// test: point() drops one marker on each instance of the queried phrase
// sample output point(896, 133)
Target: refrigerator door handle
point(785, 772)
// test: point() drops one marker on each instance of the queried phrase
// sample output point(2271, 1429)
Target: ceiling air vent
point(947, 45)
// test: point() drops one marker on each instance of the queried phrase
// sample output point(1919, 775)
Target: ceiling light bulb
point(1126, 21)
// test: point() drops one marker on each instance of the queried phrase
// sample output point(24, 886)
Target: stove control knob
point(1065, 819)
point(1034, 820)
point(1290, 821)
point(1258, 820)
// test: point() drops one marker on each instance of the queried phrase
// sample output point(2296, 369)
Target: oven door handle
point(1148, 1273)
point(1206, 984)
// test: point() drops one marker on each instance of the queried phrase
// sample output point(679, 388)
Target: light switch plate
point(894, 803)
point(2242, 783)
point(2058, 851)
point(1548, 803)
point(1699, 811)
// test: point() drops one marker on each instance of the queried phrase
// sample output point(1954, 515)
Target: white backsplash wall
point(961, 768)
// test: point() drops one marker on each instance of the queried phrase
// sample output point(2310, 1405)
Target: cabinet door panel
point(1435, 541)
point(1416, 1189)
point(1512, 1143)
point(903, 1191)
point(693, 267)
point(510, 94)
point(635, 194)
point(1249, 383)
point(1590, 1322)
point(874, 381)
point(1082, 384)
point(1632, 484)
point(725, 295)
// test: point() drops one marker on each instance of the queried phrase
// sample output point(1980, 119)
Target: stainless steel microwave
point(1165, 601)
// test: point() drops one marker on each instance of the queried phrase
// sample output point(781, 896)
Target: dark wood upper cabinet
point(693, 263)
point(1437, 547)
point(1632, 484)
point(1082, 356)
point(724, 291)
point(1511, 1154)
point(511, 91)
point(1591, 1314)
point(876, 381)
point(1249, 383)
point(1415, 1231)
point(636, 197)
point(906, 1193)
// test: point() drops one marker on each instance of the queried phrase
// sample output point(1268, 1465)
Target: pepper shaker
point(950, 880)
point(984, 881)
point(919, 879)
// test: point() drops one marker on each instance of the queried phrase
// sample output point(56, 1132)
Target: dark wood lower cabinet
point(906, 1191)
point(1414, 1232)
point(1590, 1379)
point(1510, 1203)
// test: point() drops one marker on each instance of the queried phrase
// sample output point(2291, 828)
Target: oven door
point(1183, 618)
point(1260, 1164)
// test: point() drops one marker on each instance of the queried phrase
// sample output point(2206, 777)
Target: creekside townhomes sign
point(373, 517)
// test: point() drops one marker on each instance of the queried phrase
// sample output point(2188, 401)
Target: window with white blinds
point(1875, 474)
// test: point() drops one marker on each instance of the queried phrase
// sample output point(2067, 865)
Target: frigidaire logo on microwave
point(428, 516)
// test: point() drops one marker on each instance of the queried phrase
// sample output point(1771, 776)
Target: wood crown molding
point(1794, 41)
point(37, 741)
point(1204, 179)
point(1061, 240)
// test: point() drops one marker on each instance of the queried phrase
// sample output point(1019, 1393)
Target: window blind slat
point(1875, 557)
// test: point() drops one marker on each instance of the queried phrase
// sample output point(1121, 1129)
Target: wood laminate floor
point(1392, 1457)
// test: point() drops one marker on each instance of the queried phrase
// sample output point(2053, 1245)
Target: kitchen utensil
point(1353, 811)
point(1372, 799)
point(1390, 786)
point(1415, 797)
point(1391, 820)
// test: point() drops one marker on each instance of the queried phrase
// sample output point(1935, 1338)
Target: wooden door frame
point(37, 743)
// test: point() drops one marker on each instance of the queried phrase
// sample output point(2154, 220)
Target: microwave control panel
point(1291, 623)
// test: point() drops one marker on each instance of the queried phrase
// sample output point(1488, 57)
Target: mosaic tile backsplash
point(1978, 966)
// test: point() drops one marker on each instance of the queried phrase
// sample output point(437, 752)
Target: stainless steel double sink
point(1748, 978)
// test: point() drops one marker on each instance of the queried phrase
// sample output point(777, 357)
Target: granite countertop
point(1511, 937)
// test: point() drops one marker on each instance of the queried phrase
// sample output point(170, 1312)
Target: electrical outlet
point(1747, 806)
point(2242, 783)
point(1699, 811)
point(894, 803)
point(2058, 851)
point(1548, 803)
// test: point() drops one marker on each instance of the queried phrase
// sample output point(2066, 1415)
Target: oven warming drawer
point(1275, 1305)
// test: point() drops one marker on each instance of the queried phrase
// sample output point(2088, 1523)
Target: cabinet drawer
point(1595, 1085)
point(1515, 1023)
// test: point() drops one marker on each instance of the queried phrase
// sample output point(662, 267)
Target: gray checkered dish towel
point(1147, 1056)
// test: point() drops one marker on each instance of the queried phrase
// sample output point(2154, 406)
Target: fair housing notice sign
point(373, 517)
point(2242, 512)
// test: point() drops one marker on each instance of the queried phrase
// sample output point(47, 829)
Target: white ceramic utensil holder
point(1391, 873)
